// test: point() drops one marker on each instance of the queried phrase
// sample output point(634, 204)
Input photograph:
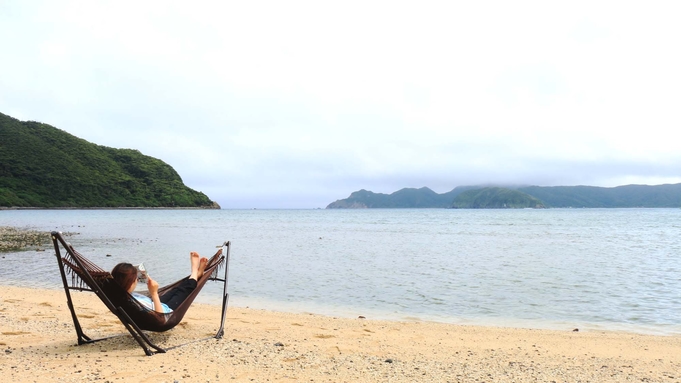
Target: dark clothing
point(177, 295)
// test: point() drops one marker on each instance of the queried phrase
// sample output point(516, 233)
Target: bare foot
point(202, 267)
point(194, 257)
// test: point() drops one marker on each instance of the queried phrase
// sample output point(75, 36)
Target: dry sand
point(37, 343)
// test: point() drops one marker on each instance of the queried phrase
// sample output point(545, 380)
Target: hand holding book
point(141, 273)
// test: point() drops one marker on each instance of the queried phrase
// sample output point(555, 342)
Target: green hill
point(620, 196)
point(658, 196)
point(42, 166)
point(495, 198)
point(403, 198)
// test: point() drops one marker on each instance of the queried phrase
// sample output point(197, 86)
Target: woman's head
point(125, 275)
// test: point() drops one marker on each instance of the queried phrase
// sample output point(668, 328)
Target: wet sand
point(37, 343)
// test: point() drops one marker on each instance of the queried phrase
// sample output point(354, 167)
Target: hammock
point(87, 276)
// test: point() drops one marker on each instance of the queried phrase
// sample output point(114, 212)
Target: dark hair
point(124, 274)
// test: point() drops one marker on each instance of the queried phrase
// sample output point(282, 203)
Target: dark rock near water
point(12, 239)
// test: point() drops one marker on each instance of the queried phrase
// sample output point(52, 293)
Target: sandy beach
point(38, 345)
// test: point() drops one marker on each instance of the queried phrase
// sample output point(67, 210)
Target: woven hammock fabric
point(146, 319)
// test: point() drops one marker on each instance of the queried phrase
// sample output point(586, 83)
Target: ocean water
point(614, 269)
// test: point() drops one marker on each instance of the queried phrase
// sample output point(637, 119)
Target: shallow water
point(555, 268)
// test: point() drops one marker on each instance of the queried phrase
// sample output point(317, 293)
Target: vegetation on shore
point(404, 198)
point(42, 166)
point(598, 197)
point(495, 198)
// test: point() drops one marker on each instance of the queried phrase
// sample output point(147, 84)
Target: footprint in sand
point(15, 333)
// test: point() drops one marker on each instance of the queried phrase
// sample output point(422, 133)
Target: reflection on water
point(560, 268)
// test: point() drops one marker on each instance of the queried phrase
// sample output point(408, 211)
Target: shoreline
point(495, 322)
point(111, 208)
point(373, 314)
point(261, 345)
point(662, 328)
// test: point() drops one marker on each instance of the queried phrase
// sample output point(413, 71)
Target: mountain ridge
point(651, 196)
point(496, 198)
point(45, 167)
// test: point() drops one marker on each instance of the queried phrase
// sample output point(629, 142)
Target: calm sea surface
point(616, 269)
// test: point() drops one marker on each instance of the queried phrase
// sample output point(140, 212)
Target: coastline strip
point(36, 330)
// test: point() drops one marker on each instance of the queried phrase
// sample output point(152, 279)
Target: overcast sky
point(290, 104)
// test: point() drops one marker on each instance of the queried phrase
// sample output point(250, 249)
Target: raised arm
point(152, 285)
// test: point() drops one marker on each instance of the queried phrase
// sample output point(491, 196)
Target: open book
point(141, 273)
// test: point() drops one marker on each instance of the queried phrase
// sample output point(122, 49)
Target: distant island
point(496, 198)
point(509, 197)
point(45, 167)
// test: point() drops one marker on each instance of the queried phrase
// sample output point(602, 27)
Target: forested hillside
point(42, 166)
point(496, 198)
point(404, 198)
point(558, 196)
point(620, 196)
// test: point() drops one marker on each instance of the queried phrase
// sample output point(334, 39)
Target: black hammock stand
point(87, 276)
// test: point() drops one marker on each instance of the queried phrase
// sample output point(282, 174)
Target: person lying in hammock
point(125, 274)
